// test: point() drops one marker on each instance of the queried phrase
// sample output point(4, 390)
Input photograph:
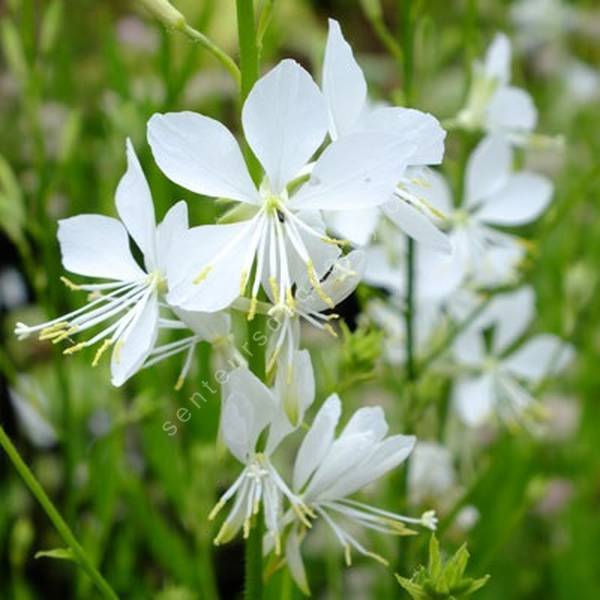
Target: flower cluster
point(342, 182)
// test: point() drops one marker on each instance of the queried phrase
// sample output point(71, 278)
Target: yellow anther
point(348, 556)
point(277, 545)
point(290, 300)
point(179, 383)
point(330, 330)
point(316, 284)
point(243, 282)
point(117, 351)
point(60, 336)
point(274, 287)
point(378, 558)
point(105, 345)
point(252, 310)
point(215, 511)
point(335, 241)
point(246, 529)
point(202, 275)
point(75, 348)
point(70, 284)
point(49, 332)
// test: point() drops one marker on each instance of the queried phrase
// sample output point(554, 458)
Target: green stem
point(63, 529)
point(410, 308)
point(253, 583)
point(249, 59)
point(219, 54)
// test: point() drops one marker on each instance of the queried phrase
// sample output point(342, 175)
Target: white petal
point(540, 356)
point(171, 229)
point(438, 274)
point(358, 171)
point(295, 392)
point(511, 109)
point(248, 408)
point(473, 399)
point(497, 59)
point(522, 200)
point(469, 348)
point(135, 207)
point(343, 457)
point(369, 419)
point(511, 313)
point(387, 456)
point(488, 169)
point(200, 154)
point(209, 326)
point(418, 129)
point(317, 441)
point(344, 84)
point(201, 251)
point(97, 246)
point(295, 564)
point(431, 188)
point(416, 225)
point(382, 271)
point(356, 226)
point(285, 121)
point(137, 340)
point(345, 275)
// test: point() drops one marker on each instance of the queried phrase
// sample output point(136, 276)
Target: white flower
point(494, 379)
point(494, 195)
point(214, 328)
point(328, 470)
point(282, 243)
point(249, 408)
point(493, 104)
point(431, 473)
point(98, 246)
point(345, 91)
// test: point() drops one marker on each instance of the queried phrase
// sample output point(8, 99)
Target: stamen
point(314, 281)
point(70, 284)
point(204, 273)
point(105, 345)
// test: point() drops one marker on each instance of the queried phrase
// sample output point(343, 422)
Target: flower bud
point(165, 12)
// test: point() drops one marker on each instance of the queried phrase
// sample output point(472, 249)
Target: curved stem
point(217, 52)
point(61, 526)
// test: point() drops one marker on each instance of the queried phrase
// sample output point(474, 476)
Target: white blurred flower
point(13, 291)
point(494, 375)
point(345, 90)
point(582, 82)
point(98, 246)
point(430, 472)
point(493, 104)
point(281, 240)
point(494, 195)
point(31, 406)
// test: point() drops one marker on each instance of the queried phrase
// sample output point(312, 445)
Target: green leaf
point(414, 590)
point(435, 560)
point(455, 567)
point(12, 210)
point(58, 553)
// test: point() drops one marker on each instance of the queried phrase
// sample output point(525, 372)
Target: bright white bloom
point(214, 328)
point(493, 382)
point(431, 473)
point(98, 246)
point(493, 104)
point(249, 408)
point(494, 195)
point(345, 90)
point(328, 470)
point(282, 242)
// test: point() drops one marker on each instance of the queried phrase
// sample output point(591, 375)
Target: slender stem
point(63, 529)
point(253, 584)
point(249, 58)
point(217, 52)
point(410, 308)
